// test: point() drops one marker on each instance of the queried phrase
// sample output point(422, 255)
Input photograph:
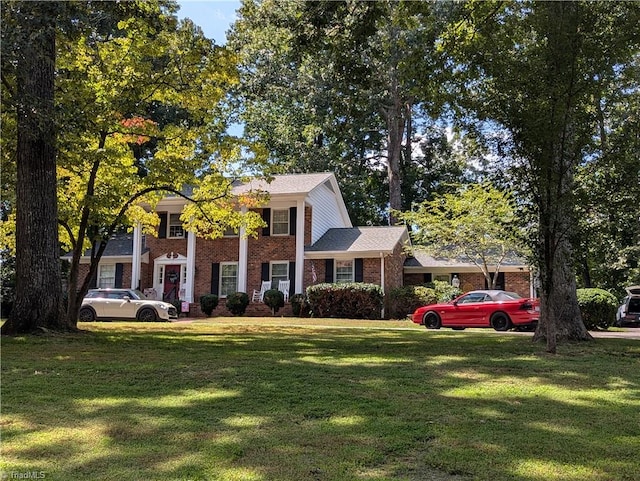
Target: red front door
point(171, 282)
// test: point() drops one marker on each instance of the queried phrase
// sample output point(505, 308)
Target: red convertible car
point(501, 310)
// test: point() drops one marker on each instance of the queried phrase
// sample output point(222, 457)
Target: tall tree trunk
point(38, 278)
point(560, 317)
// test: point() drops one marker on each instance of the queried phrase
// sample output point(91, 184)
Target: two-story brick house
point(308, 239)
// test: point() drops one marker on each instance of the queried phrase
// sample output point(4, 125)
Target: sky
point(213, 16)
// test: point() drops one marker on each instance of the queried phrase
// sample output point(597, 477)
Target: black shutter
point(293, 213)
point(292, 277)
point(359, 270)
point(266, 217)
point(119, 271)
point(427, 277)
point(162, 230)
point(264, 272)
point(215, 278)
point(328, 270)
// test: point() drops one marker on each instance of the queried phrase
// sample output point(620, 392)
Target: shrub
point(403, 301)
point(445, 292)
point(598, 308)
point(208, 303)
point(355, 300)
point(299, 305)
point(237, 303)
point(274, 299)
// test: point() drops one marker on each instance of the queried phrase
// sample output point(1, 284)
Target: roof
point(120, 245)
point(421, 259)
point(360, 240)
point(286, 184)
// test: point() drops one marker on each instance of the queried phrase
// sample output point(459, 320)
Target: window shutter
point(292, 277)
point(328, 270)
point(293, 213)
point(119, 272)
point(215, 278)
point(266, 216)
point(427, 277)
point(162, 230)
point(264, 273)
point(359, 270)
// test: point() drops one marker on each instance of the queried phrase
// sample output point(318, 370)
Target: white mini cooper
point(101, 304)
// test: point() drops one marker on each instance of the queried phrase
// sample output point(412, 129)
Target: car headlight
point(164, 306)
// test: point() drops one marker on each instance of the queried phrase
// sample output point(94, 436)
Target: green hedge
point(237, 303)
point(598, 308)
point(208, 303)
point(274, 299)
point(352, 300)
point(403, 301)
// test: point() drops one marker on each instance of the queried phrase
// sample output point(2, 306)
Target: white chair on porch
point(259, 295)
point(283, 286)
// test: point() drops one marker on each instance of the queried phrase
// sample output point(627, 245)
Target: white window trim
point(223, 296)
point(273, 213)
point(353, 270)
point(169, 225)
point(99, 278)
point(272, 263)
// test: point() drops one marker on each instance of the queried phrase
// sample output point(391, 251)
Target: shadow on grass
point(270, 403)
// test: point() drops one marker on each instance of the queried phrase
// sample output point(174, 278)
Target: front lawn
point(294, 400)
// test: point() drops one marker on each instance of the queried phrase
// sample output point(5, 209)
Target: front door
point(171, 283)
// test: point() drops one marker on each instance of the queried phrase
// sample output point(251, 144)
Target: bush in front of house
point(237, 303)
point(208, 303)
point(445, 292)
point(403, 301)
point(597, 307)
point(274, 299)
point(350, 300)
point(299, 305)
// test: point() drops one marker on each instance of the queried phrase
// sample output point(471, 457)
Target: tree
point(535, 68)
point(341, 86)
point(140, 97)
point(32, 32)
point(475, 224)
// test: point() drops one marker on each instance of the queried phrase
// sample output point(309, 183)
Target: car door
point(127, 305)
point(467, 311)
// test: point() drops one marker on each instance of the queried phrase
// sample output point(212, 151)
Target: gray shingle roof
point(120, 245)
point(359, 239)
point(422, 259)
point(286, 184)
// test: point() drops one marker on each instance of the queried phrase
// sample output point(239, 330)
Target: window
point(160, 279)
point(279, 272)
point(280, 222)
point(228, 279)
point(344, 271)
point(107, 276)
point(175, 226)
point(230, 232)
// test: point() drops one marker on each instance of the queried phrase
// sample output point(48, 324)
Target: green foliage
point(597, 307)
point(274, 299)
point(208, 303)
point(403, 301)
point(299, 304)
point(352, 300)
point(237, 303)
point(444, 291)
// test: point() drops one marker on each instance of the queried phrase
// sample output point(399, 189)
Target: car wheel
point(147, 315)
point(86, 314)
point(500, 321)
point(431, 320)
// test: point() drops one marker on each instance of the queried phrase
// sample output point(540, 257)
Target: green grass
point(293, 400)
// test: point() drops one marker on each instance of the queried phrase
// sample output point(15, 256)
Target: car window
point(507, 296)
point(472, 297)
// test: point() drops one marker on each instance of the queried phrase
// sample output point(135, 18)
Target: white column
point(382, 278)
point(243, 258)
point(300, 230)
point(136, 260)
point(191, 266)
